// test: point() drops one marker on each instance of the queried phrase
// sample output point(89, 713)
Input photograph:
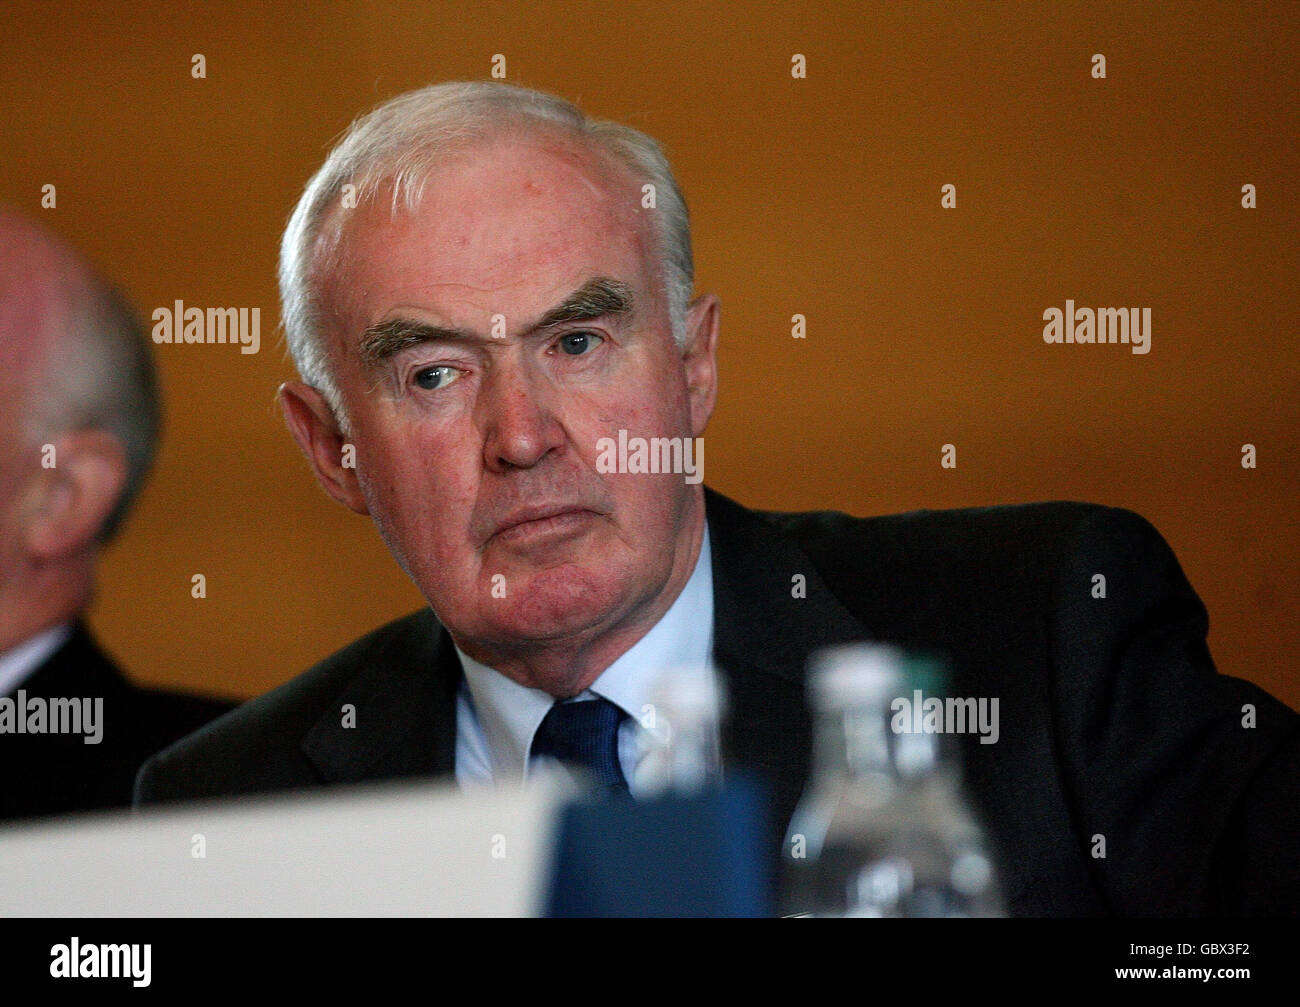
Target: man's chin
point(555, 606)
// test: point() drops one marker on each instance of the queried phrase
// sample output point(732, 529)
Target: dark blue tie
point(584, 734)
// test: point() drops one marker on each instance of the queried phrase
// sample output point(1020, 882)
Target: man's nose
point(519, 424)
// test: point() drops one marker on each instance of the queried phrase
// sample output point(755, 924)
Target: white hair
point(401, 142)
point(99, 374)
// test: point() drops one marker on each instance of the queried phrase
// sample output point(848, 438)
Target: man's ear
point(68, 503)
point(700, 358)
point(311, 421)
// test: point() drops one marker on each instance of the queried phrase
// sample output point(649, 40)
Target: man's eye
point(433, 378)
point(577, 343)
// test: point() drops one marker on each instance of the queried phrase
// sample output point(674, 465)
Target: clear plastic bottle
point(883, 828)
point(680, 741)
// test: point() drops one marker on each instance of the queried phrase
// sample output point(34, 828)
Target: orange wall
point(818, 196)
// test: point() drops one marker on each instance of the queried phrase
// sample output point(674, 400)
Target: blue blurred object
point(673, 856)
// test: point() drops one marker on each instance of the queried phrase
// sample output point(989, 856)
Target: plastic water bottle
point(883, 828)
point(680, 740)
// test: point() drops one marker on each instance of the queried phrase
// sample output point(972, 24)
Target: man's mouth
point(531, 524)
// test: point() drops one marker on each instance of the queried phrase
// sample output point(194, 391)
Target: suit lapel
point(404, 697)
point(771, 611)
point(77, 668)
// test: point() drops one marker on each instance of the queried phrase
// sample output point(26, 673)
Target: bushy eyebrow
point(598, 297)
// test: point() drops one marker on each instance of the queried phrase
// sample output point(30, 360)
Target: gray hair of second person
point(401, 142)
point(99, 374)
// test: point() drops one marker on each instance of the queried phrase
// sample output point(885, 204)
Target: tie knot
point(584, 734)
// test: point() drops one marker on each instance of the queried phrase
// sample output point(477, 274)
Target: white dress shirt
point(18, 663)
point(496, 717)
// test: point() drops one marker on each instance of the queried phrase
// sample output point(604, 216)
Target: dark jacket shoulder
point(62, 773)
point(258, 746)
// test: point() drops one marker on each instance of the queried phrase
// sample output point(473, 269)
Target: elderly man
point(483, 290)
point(78, 424)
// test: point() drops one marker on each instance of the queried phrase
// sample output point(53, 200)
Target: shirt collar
point(18, 663)
point(510, 713)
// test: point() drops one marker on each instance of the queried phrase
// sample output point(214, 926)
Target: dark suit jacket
point(52, 774)
point(1113, 721)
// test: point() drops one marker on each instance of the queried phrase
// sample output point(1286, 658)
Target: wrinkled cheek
point(451, 565)
point(438, 537)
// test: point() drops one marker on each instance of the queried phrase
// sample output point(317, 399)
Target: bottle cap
point(854, 674)
point(927, 673)
point(694, 691)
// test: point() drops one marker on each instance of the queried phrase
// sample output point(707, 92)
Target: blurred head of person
point(79, 420)
point(480, 286)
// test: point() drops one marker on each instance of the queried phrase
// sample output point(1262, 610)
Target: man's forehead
point(514, 220)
